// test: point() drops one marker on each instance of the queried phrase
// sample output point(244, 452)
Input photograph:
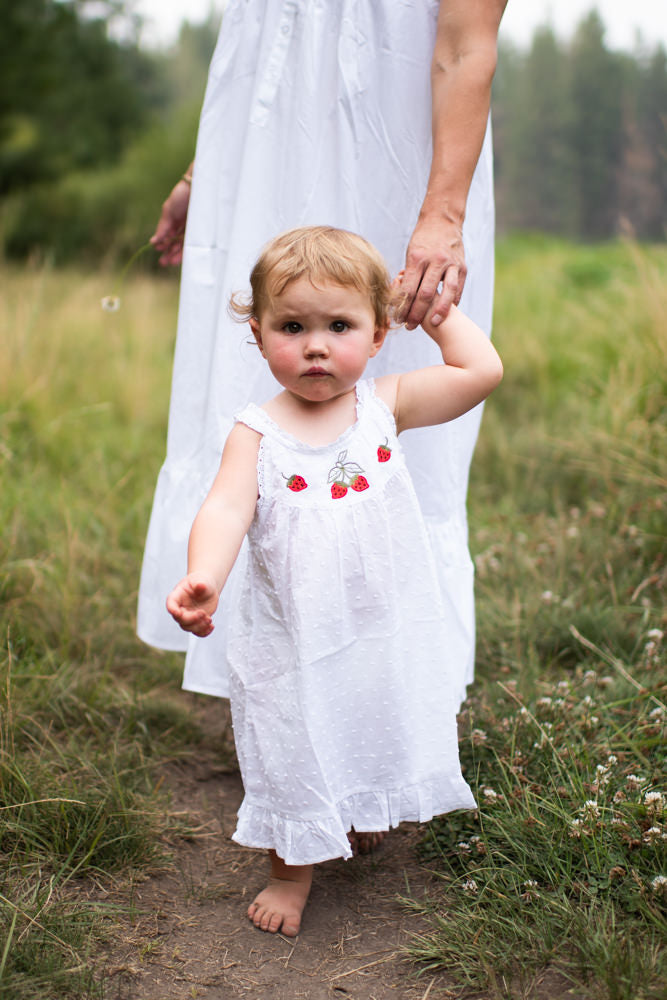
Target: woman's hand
point(435, 256)
point(192, 603)
point(168, 237)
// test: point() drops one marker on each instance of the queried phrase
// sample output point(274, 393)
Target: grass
point(567, 526)
point(86, 710)
point(563, 865)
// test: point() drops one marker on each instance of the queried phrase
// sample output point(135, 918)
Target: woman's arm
point(170, 230)
point(217, 533)
point(464, 61)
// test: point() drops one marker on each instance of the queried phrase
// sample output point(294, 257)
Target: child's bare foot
point(365, 843)
point(280, 905)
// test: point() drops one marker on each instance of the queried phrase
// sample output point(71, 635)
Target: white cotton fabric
point(343, 691)
point(316, 111)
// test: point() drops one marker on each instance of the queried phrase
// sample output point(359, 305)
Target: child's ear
point(378, 339)
point(256, 332)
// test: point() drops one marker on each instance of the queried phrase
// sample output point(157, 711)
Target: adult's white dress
point(316, 111)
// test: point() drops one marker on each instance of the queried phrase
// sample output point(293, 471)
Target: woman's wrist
point(439, 208)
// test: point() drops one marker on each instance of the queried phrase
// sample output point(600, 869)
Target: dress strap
point(365, 390)
point(254, 417)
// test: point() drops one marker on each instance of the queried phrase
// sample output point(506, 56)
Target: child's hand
point(192, 603)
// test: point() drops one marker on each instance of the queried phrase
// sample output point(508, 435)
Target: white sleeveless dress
point(343, 691)
point(316, 111)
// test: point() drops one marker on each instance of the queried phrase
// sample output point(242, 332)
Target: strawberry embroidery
point(384, 452)
point(296, 483)
point(346, 474)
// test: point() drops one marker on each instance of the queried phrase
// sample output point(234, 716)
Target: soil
point(189, 936)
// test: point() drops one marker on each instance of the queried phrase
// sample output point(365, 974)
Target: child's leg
point(280, 905)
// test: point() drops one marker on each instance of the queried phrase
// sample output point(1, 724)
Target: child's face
point(317, 339)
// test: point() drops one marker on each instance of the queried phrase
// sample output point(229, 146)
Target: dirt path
point(190, 937)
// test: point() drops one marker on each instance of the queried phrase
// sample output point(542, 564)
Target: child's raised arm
point(217, 533)
point(428, 396)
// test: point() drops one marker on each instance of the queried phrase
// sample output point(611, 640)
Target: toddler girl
point(343, 699)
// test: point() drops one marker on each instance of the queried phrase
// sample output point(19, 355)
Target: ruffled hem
point(309, 842)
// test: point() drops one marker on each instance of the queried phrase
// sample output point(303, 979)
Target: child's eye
point(339, 326)
point(292, 327)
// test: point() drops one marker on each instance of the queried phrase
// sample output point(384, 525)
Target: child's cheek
point(283, 357)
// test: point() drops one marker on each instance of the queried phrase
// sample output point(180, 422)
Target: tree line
point(94, 129)
point(580, 137)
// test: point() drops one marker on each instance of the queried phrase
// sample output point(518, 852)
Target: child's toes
point(273, 922)
point(291, 926)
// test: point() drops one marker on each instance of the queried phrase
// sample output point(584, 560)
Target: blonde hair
point(319, 253)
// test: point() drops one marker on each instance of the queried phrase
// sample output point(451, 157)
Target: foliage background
point(94, 130)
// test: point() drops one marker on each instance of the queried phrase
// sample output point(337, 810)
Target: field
point(563, 735)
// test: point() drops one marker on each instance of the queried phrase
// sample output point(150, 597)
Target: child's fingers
point(191, 619)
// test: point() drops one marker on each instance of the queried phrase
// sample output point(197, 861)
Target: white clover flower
point(650, 648)
point(653, 801)
point(590, 676)
point(593, 720)
point(563, 687)
point(606, 681)
point(634, 782)
point(479, 737)
point(590, 809)
point(603, 774)
point(545, 702)
point(587, 701)
point(611, 760)
point(464, 847)
point(657, 713)
point(529, 892)
point(655, 633)
point(489, 794)
point(576, 826)
point(547, 597)
point(524, 713)
point(659, 885)
point(469, 886)
point(110, 303)
point(654, 835)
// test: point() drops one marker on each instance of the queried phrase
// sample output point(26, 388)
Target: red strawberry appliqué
point(384, 452)
point(346, 474)
point(296, 483)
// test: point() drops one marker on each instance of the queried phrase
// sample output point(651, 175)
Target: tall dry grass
point(567, 529)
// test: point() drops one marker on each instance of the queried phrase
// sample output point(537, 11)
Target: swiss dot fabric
point(316, 112)
point(343, 691)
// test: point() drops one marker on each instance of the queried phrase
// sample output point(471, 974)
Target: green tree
point(70, 97)
point(539, 167)
point(596, 83)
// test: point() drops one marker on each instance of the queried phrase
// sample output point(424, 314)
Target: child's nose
point(316, 343)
